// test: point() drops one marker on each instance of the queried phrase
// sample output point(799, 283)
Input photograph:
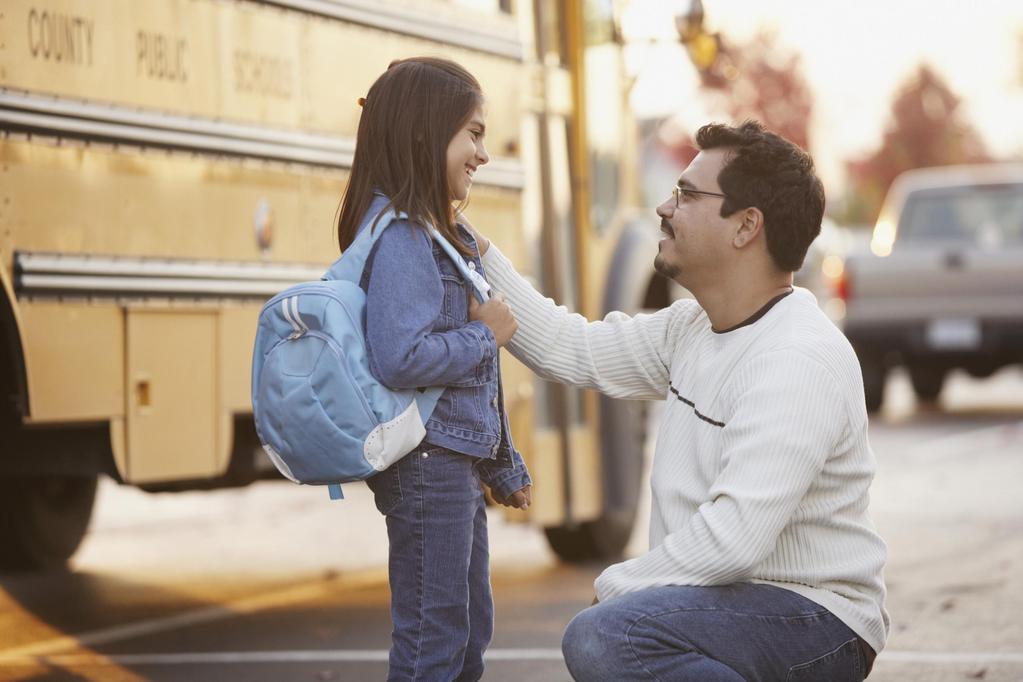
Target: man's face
point(696, 237)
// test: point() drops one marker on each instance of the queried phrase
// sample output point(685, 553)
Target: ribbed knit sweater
point(762, 466)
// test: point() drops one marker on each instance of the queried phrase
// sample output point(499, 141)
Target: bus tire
point(572, 544)
point(43, 519)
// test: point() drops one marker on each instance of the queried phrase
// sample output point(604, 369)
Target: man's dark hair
point(767, 171)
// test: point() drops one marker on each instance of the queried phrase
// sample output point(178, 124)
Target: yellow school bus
point(166, 166)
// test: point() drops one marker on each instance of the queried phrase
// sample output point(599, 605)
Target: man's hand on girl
point(496, 314)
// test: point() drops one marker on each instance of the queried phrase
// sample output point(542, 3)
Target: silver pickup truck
point(943, 285)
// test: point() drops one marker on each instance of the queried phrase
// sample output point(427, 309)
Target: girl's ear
point(749, 227)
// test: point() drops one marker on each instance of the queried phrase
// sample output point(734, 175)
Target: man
point(763, 561)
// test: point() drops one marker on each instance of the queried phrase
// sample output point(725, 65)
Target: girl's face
point(466, 153)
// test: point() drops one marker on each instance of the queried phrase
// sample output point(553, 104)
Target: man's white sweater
point(762, 466)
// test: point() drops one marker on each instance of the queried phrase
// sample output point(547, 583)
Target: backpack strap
point(481, 288)
point(352, 262)
point(350, 266)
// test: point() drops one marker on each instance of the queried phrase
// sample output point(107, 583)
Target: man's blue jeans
point(735, 633)
point(441, 603)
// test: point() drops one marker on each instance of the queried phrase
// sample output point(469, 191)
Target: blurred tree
point(771, 88)
point(760, 79)
point(926, 128)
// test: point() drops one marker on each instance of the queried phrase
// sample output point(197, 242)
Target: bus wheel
point(572, 544)
point(43, 519)
point(603, 539)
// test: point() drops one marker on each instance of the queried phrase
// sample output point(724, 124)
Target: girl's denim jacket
point(418, 334)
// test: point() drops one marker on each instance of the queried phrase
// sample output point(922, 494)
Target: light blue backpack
point(320, 414)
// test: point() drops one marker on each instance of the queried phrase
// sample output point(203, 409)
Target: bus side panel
point(147, 203)
point(74, 359)
point(172, 420)
point(235, 62)
point(235, 338)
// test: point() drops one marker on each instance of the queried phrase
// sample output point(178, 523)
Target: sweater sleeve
point(622, 356)
point(789, 418)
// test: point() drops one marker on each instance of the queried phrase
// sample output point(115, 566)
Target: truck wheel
point(927, 382)
point(43, 519)
point(874, 375)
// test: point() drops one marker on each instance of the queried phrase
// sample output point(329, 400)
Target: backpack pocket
point(321, 418)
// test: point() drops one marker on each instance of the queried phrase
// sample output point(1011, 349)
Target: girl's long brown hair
point(408, 119)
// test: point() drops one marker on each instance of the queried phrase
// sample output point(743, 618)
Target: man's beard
point(665, 270)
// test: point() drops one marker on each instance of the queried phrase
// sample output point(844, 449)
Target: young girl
point(420, 142)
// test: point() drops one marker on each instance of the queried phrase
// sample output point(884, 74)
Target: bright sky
point(855, 56)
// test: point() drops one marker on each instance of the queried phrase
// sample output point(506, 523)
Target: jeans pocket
point(386, 487)
point(843, 664)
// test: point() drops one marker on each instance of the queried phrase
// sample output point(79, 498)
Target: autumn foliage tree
point(771, 88)
point(926, 128)
point(760, 79)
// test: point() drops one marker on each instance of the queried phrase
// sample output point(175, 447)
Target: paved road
point(273, 582)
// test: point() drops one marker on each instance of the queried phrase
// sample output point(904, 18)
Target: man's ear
point(751, 224)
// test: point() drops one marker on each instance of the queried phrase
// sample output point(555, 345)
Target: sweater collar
point(757, 315)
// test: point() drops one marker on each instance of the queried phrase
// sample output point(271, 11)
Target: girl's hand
point(520, 499)
point(496, 314)
point(482, 243)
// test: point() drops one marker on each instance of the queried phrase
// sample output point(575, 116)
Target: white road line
point(284, 597)
point(951, 658)
point(380, 656)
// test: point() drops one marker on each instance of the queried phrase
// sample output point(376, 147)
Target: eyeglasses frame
point(676, 191)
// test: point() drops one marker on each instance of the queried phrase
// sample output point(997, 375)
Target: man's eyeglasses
point(678, 192)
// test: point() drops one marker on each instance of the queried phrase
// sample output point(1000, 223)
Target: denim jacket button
point(494, 402)
point(472, 265)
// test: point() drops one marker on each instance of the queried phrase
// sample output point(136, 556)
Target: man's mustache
point(666, 228)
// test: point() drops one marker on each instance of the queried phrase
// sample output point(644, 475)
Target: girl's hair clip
point(361, 101)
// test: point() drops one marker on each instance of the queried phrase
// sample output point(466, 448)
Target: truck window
point(987, 216)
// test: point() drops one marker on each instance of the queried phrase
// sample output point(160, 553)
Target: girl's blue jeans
point(441, 604)
point(731, 633)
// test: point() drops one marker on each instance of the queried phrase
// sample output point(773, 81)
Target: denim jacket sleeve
point(404, 299)
point(504, 481)
point(506, 473)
